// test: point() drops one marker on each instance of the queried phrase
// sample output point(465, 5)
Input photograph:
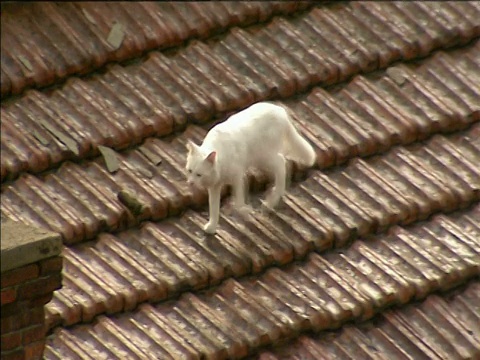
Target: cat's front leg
point(214, 209)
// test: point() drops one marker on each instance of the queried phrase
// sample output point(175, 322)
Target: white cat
point(260, 136)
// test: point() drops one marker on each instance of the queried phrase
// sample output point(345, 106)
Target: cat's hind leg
point(278, 168)
point(238, 190)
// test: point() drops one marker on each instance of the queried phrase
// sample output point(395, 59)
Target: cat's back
point(255, 116)
point(261, 122)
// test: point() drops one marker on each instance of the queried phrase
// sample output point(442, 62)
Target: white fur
point(262, 136)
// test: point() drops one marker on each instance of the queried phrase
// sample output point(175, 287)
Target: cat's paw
point(210, 228)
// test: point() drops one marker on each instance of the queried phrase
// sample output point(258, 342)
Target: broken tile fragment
point(110, 158)
point(397, 75)
point(68, 142)
point(44, 141)
point(150, 155)
point(116, 35)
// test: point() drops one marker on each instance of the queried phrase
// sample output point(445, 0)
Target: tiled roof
point(126, 105)
point(441, 327)
point(388, 94)
point(45, 43)
point(322, 292)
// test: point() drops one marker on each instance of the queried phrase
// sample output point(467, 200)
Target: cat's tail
point(299, 149)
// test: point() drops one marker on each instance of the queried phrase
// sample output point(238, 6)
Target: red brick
point(25, 318)
point(52, 265)
point(17, 354)
point(11, 341)
point(8, 295)
point(38, 287)
point(17, 276)
point(42, 300)
point(14, 308)
point(33, 333)
point(34, 350)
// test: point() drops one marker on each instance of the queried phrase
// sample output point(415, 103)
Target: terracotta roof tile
point(354, 283)
point(186, 97)
point(343, 123)
point(386, 217)
point(430, 329)
point(54, 41)
point(400, 187)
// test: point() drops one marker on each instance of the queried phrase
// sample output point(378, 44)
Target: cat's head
point(201, 169)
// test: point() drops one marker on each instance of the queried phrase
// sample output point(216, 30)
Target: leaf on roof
point(110, 157)
point(116, 35)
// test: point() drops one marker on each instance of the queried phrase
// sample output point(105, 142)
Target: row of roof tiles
point(323, 292)
point(45, 43)
point(366, 116)
point(41, 130)
point(159, 260)
point(441, 327)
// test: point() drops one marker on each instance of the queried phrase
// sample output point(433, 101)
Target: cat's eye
point(190, 171)
point(198, 175)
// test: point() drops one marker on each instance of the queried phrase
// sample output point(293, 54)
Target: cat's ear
point(211, 157)
point(191, 146)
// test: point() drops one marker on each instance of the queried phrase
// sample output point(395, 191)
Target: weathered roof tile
point(134, 167)
point(193, 264)
point(192, 107)
point(345, 296)
point(345, 242)
point(76, 38)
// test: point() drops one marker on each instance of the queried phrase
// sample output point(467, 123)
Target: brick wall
point(31, 274)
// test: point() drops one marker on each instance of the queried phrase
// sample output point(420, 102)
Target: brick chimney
point(31, 270)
